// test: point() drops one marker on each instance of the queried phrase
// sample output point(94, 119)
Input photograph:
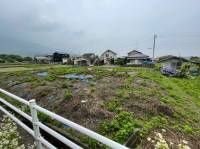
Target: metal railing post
point(34, 121)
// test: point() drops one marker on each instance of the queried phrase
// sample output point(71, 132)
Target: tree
point(2, 61)
point(195, 58)
point(184, 71)
point(16, 58)
point(28, 58)
point(120, 61)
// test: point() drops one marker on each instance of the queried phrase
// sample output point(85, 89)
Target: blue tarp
point(78, 76)
point(169, 71)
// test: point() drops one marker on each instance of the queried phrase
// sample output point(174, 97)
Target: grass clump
point(43, 94)
point(43, 117)
point(187, 129)
point(64, 85)
point(68, 95)
point(92, 89)
point(113, 105)
point(51, 78)
point(154, 122)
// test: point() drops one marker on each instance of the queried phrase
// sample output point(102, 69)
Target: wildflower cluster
point(9, 137)
point(159, 142)
point(8, 134)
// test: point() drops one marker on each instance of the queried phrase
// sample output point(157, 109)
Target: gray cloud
point(87, 26)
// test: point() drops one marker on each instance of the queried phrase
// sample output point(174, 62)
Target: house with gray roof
point(171, 61)
point(136, 58)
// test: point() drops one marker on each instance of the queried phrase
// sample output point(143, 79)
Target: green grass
point(27, 67)
point(181, 95)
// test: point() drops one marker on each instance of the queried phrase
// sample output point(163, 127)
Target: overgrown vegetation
point(120, 100)
point(120, 127)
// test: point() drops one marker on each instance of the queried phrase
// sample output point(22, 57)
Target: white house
point(136, 58)
point(43, 58)
point(107, 56)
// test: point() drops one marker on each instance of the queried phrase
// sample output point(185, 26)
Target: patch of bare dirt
point(105, 88)
point(148, 107)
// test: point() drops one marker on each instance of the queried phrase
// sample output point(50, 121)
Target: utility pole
point(154, 45)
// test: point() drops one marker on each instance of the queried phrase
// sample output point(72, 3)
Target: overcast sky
point(78, 26)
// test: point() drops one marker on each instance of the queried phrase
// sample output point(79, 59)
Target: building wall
point(135, 62)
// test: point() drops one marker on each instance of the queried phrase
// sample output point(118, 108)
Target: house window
point(107, 55)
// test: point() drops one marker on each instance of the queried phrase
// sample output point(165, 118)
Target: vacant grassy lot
point(26, 67)
point(135, 104)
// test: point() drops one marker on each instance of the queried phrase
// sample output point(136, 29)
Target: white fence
point(40, 141)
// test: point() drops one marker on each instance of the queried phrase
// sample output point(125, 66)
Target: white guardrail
point(35, 132)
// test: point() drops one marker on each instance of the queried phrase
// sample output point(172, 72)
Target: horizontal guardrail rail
point(37, 125)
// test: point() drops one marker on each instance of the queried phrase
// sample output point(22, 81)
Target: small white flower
point(185, 142)
point(171, 143)
point(148, 139)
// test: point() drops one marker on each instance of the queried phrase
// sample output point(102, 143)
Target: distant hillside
point(13, 58)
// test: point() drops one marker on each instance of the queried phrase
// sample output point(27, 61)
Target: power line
point(138, 42)
point(180, 36)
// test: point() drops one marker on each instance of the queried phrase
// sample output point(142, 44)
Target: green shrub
point(120, 127)
point(120, 61)
point(2, 61)
point(185, 70)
